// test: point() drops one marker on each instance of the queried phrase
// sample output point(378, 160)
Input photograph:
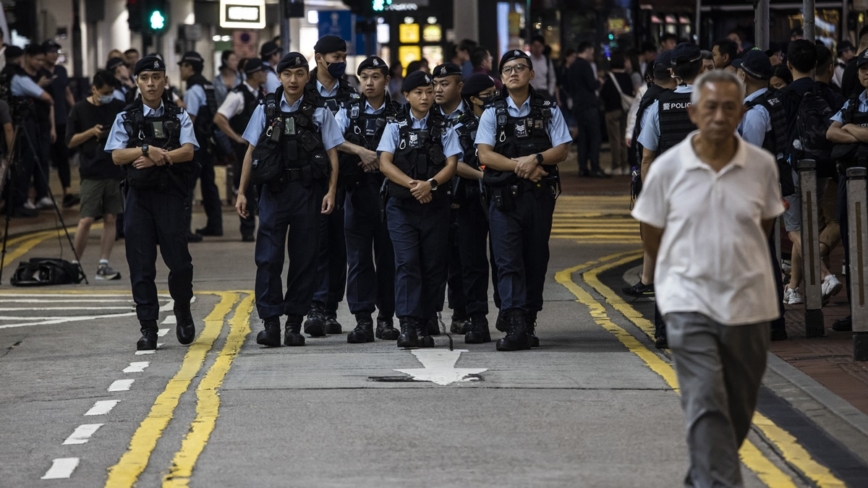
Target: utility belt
point(504, 196)
point(158, 179)
point(364, 179)
point(306, 175)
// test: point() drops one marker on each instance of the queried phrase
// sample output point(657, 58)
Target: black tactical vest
point(675, 124)
point(650, 98)
point(42, 110)
point(466, 125)
point(204, 124)
point(345, 94)
point(239, 122)
point(521, 136)
point(365, 130)
point(775, 139)
point(299, 138)
point(420, 151)
point(163, 132)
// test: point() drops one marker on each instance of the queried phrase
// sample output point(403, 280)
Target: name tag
point(521, 130)
point(289, 127)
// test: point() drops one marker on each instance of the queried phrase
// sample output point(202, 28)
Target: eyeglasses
point(518, 68)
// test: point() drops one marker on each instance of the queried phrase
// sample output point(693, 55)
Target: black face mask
point(487, 101)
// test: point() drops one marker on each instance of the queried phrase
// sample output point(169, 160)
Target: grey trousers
point(720, 370)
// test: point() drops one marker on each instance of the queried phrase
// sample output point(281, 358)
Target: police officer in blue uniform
point(269, 53)
point(154, 141)
point(306, 137)
point(520, 140)
point(370, 257)
point(332, 92)
point(201, 106)
point(418, 154)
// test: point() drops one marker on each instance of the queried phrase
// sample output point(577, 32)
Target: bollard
point(814, 326)
point(857, 216)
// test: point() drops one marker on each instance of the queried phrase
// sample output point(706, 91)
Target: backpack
point(812, 122)
point(46, 271)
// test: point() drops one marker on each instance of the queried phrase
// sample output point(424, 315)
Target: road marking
point(82, 434)
point(750, 455)
point(130, 466)
point(102, 407)
point(439, 367)
point(150, 351)
point(170, 320)
point(208, 399)
point(40, 300)
point(61, 468)
point(64, 309)
point(136, 367)
point(162, 332)
point(121, 385)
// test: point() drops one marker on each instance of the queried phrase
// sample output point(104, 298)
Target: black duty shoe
point(270, 336)
point(186, 329)
point(459, 325)
point(425, 339)
point(639, 290)
point(332, 326)
point(194, 238)
point(148, 342)
point(500, 324)
point(779, 335)
point(408, 337)
point(70, 200)
point(248, 238)
point(661, 343)
point(843, 325)
point(433, 326)
point(516, 333)
point(477, 331)
point(209, 232)
point(364, 331)
point(386, 331)
point(530, 325)
point(292, 333)
point(314, 326)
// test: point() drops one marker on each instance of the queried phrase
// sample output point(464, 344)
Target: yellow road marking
point(208, 401)
point(134, 461)
point(29, 241)
point(750, 455)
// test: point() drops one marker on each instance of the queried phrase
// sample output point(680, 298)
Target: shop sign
point(242, 14)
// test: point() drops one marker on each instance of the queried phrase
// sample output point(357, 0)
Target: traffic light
point(380, 5)
point(367, 7)
point(134, 13)
point(156, 20)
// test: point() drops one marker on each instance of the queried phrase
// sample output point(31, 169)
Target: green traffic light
point(157, 20)
point(380, 5)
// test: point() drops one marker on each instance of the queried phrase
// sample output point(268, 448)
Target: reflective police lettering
point(676, 106)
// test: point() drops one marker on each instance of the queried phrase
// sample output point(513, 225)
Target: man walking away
point(582, 87)
point(545, 81)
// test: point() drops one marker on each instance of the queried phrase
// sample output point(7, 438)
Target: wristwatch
point(144, 149)
point(433, 184)
point(539, 158)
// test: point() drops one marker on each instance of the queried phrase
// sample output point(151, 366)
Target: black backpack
point(812, 122)
point(46, 271)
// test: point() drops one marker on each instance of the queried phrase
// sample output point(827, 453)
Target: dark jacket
point(609, 93)
point(582, 85)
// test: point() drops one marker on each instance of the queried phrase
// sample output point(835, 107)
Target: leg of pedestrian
point(811, 249)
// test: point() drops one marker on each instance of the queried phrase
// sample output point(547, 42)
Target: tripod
point(21, 134)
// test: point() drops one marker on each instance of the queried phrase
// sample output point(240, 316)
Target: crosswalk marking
point(589, 219)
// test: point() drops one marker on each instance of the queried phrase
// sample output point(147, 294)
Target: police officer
point(126, 86)
point(665, 124)
point(154, 141)
point(327, 84)
point(201, 105)
point(270, 55)
point(232, 119)
point(307, 137)
point(520, 140)
point(371, 274)
point(418, 154)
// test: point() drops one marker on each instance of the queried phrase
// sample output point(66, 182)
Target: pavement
point(596, 405)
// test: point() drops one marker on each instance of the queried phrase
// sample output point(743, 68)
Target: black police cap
point(685, 53)
point(329, 44)
point(373, 62)
point(191, 57)
point(756, 64)
point(862, 59)
point(845, 46)
point(268, 49)
point(513, 55)
point(292, 60)
point(446, 69)
point(663, 61)
point(149, 63)
point(415, 80)
point(252, 65)
point(476, 84)
point(51, 45)
point(112, 64)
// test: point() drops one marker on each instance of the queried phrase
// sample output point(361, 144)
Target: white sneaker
point(792, 296)
point(105, 272)
point(830, 287)
point(29, 205)
point(44, 202)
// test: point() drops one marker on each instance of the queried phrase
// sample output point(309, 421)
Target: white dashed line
point(136, 367)
point(82, 434)
point(163, 332)
point(61, 469)
point(170, 320)
point(152, 351)
point(121, 385)
point(102, 407)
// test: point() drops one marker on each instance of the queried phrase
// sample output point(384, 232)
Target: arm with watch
point(422, 190)
point(147, 156)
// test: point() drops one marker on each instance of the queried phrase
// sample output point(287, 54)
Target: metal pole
point(76, 42)
point(808, 12)
point(811, 249)
point(857, 202)
point(528, 23)
point(762, 24)
point(698, 29)
point(284, 26)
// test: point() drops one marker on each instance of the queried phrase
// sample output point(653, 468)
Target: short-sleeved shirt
point(392, 137)
point(756, 121)
point(24, 86)
point(344, 122)
point(556, 129)
point(322, 118)
point(234, 102)
point(95, 164)
point(650, 135)
point(220, 88)
point(118, 137)
point(194, 99)
point(714, 256)
point(272, 82)
point(863, 107)
point(57, 90)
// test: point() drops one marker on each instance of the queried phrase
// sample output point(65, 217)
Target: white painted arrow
point(440, 367)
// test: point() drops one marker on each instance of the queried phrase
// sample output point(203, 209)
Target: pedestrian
point(63, 101)
point(269, 53)
point(846, 52)
point(88, 129)
point(582, 88)
point(850, 84)
point(154, 141)
point(228, 76)
point(647, 59)
point(396, 78)
point(617, 95)
point(521, 139)
point(714, 191)
point(707, 61)
point(544, 81)
point(480, 58)
point(668, 42)
point(418, 154)
point(464, 52)
point(131, 56)
point(776, 56)
point(328, 87)
point(295, 202)
point(724, 52)
point(781, 77)
point(370, 257)
point(125, 87)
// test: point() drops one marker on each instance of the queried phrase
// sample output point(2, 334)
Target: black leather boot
point(292, 331)
point(408, 337)
point(185, 329)
point(270, 335)
point(314, 326)
point(433, 326)
point(477, 330)
point(425, 339)
point(459, 322)
point(148, 342)
point(332, 326)
point(364, 331)
point(385, 330)
point(530, 324)
point(500, 323)
point(516, 333)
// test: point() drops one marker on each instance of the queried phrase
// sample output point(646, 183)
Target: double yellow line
point(28, 241)
point(134, 461)
point(793, 453)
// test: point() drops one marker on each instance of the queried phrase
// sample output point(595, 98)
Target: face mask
point(105, 99)
point(487, 101)
point(336, 70)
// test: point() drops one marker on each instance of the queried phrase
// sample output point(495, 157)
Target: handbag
point(626, 100)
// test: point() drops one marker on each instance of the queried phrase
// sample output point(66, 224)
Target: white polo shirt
point(714, 255)
point(234, 102)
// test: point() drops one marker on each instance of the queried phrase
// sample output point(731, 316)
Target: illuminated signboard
point(242, 14)
point(408, 33)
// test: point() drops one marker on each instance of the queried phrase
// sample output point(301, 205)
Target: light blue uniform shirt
point(756, 122)
point(272, 82)
point(392, 137)
point(455, 113)
point(650, 135)
point(556, 129)
point(863, 107)
point(24, 86)
point(343, 120)
point(118, 137)
point(194, 99)
point(332, 136)
point(220, 88)
point(326, 93)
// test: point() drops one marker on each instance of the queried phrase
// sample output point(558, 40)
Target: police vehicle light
point(157, 20)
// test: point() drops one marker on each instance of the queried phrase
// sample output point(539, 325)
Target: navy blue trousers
point(520, 238)
point(331, 270)
point(157, 218)
point(454, 293)
point(297, 208)
point(472, 237)
point(420, 236)
point(210, 194)
point(370, 257)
